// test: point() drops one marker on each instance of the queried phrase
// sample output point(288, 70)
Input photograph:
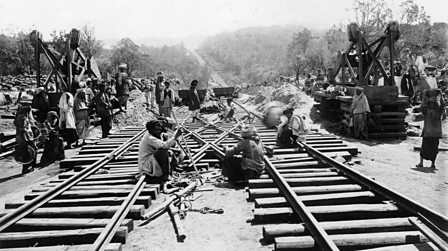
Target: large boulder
point(272, 113)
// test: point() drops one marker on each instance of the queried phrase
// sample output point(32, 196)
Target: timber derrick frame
point(65, 73)
point(367, 54)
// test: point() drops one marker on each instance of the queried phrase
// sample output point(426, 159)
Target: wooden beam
point(319, 199)
point(56, 237)
point(274, 192)
point(353, 241)
point(338, 227)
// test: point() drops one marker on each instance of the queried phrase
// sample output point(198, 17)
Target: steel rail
point(249, 112)
point(189, 152)
point(403, 201)
point(14, 216)
point(207, 144)
point(322, 238)
point(108, 233)
point(317, 231)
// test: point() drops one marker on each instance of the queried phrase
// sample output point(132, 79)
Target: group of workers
point(39, 125)
point(155, 157)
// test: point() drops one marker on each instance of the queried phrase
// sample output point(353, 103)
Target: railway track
point(91, 206)
point(309, 201)
point(306, 199)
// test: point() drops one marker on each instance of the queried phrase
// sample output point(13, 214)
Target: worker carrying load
point(251, 165)
point(291, 129)
point(153, 156)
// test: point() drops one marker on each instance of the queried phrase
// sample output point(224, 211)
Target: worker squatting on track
point(251, 165)
point(153, 159)
point(291, 129)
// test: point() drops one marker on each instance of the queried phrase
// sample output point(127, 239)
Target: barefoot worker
point(153, 152)
point(433, 108)
point(251, 165)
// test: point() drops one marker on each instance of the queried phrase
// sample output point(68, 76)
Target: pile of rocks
point(20, 81)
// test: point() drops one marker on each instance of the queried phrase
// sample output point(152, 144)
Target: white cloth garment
point(66, 111)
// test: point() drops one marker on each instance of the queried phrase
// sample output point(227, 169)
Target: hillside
point(251, 53)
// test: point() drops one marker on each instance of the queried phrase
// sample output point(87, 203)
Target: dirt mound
point(137, 114)
point(289, 94)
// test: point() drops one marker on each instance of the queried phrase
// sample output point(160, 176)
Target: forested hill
point(251, 53)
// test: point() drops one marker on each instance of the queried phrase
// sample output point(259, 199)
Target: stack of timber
point(387, 117)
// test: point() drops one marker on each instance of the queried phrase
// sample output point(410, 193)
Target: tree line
point(254, 53)
point(17, 56)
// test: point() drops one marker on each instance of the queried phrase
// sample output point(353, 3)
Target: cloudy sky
point(181, 18)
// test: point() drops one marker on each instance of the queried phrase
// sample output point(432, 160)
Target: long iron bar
point(189, 152)
point(108, 233)
point(317, 231)
point(402, 200)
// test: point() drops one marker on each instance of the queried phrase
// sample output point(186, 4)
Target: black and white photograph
point(223, 125)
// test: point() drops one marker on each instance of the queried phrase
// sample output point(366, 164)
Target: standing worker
point(158, 89)
point(104, 110)
point(26, 150)
point(433, 108)
point(67, 120)
point(252, 163)
point(82, 116)
point(41, 103)
point(153, 158)
point(360, 110)
point(167, 97)
point(193, 100)
point(148, 93)
point(122, 86)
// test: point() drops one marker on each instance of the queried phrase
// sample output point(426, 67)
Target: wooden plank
point(33, 224)
point(136, 212)
point(106, 201)
point(319, 199)
point(308, 164)
point(110, 247)
point(97, 193)
point(78, 187)
point(289, 173)
point(338, 227)
point(277, 160)
point(274, 192)
point(328, 212)
point(353, 241)
point(101, 182)
point(265, 183)
point(57, 237)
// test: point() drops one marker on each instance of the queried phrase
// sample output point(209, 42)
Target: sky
point(182, 18)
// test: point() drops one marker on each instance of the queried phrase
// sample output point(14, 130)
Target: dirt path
point(216, 80)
